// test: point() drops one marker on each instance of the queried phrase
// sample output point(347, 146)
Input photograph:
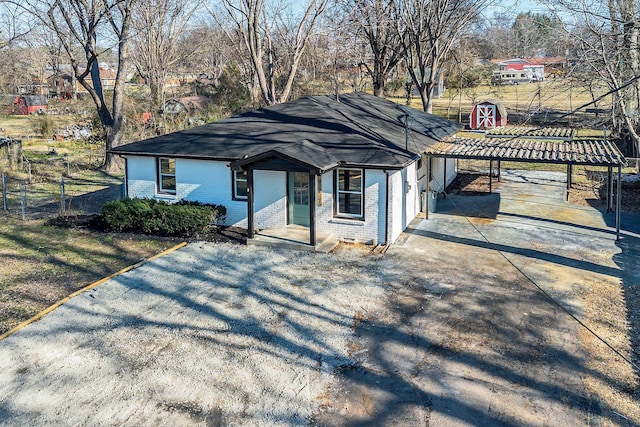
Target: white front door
point(486, 116)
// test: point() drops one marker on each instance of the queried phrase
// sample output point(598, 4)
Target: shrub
point(151, 216)
point(44, 125)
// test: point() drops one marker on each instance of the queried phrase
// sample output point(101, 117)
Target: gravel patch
point(249, 336)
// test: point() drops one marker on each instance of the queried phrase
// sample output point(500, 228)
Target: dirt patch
point(469, 184)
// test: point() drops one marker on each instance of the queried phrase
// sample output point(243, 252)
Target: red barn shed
point(488, 114)
point(29, 104)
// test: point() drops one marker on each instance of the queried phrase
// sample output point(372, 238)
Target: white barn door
point(486, 116)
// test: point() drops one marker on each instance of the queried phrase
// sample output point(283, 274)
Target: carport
point(546, 149)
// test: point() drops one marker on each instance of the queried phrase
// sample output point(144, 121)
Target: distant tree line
point(251, 53)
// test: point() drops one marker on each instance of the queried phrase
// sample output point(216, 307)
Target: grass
point(555, 94)
point(41, 264)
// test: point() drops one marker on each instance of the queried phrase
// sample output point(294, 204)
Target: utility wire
point(575, 110)
point(533, 282)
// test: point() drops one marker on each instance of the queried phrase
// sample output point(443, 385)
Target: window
point(239, 185)
point(349, 192)
point(167, 175)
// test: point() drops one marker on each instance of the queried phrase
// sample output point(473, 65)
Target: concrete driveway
point(441, 331)
point(466, 339)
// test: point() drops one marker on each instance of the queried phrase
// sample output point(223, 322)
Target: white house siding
point(406, 186)
point(209, 181)
point(437, 173)
point(141, 177)
point(270, 202)
point(396, 206)
point(411, 194)
point(196, 180)
point(373, 225)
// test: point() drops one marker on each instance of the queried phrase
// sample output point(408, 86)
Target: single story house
point(350, 166)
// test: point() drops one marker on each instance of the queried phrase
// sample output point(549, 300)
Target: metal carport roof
point(577, 152)
point(571, 152)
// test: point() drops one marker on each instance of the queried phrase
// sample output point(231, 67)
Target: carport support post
point(444, 184)
point(490, 176)
point(569, 171)
point(610, 190)
point(250, 203)
point(618, 207)
point(499, 166)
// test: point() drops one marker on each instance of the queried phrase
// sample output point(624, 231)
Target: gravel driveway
point(440, 331)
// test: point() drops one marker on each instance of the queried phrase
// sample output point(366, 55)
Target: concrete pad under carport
point(519, 359)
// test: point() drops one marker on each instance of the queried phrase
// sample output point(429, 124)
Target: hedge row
point(151, 216)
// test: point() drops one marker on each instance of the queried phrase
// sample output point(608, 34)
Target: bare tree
point(158, 26)
point(375, 22)
point(79, 24)
point(606, 48)
point(260, 28)
point(430, 29)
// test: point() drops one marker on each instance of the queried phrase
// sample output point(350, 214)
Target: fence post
point(23, 199)
point(62, 197)
point(68, 165)
point(4, 192)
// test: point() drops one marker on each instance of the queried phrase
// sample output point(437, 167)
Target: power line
point(533, 282)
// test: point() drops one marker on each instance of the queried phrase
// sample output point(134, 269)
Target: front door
point(298, 194)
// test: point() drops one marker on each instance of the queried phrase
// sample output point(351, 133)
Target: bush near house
point(150, 216)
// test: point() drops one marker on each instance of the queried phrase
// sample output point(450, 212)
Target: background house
point(29, 104)
point(535, 68)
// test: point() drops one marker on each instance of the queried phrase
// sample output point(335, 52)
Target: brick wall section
point(270, 199)
point(372, 227)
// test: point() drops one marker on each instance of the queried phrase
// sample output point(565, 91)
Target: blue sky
point(513, 7)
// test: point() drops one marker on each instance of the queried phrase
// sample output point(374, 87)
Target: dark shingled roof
point(358, 130)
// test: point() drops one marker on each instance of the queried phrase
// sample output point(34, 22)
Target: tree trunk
point(379, 81)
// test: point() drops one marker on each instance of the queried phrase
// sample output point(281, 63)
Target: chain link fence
point(67, 196)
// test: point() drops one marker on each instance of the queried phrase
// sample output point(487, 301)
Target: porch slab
point(293, 237)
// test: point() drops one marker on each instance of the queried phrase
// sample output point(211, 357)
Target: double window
point(166, 175)
point(349, 200)
point(239, 185)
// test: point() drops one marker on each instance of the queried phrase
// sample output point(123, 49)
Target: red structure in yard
point(29, 104)
point(488, 114)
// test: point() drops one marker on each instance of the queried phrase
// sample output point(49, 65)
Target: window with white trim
point(166, 175)
point(240, 185)
point(349, 200)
